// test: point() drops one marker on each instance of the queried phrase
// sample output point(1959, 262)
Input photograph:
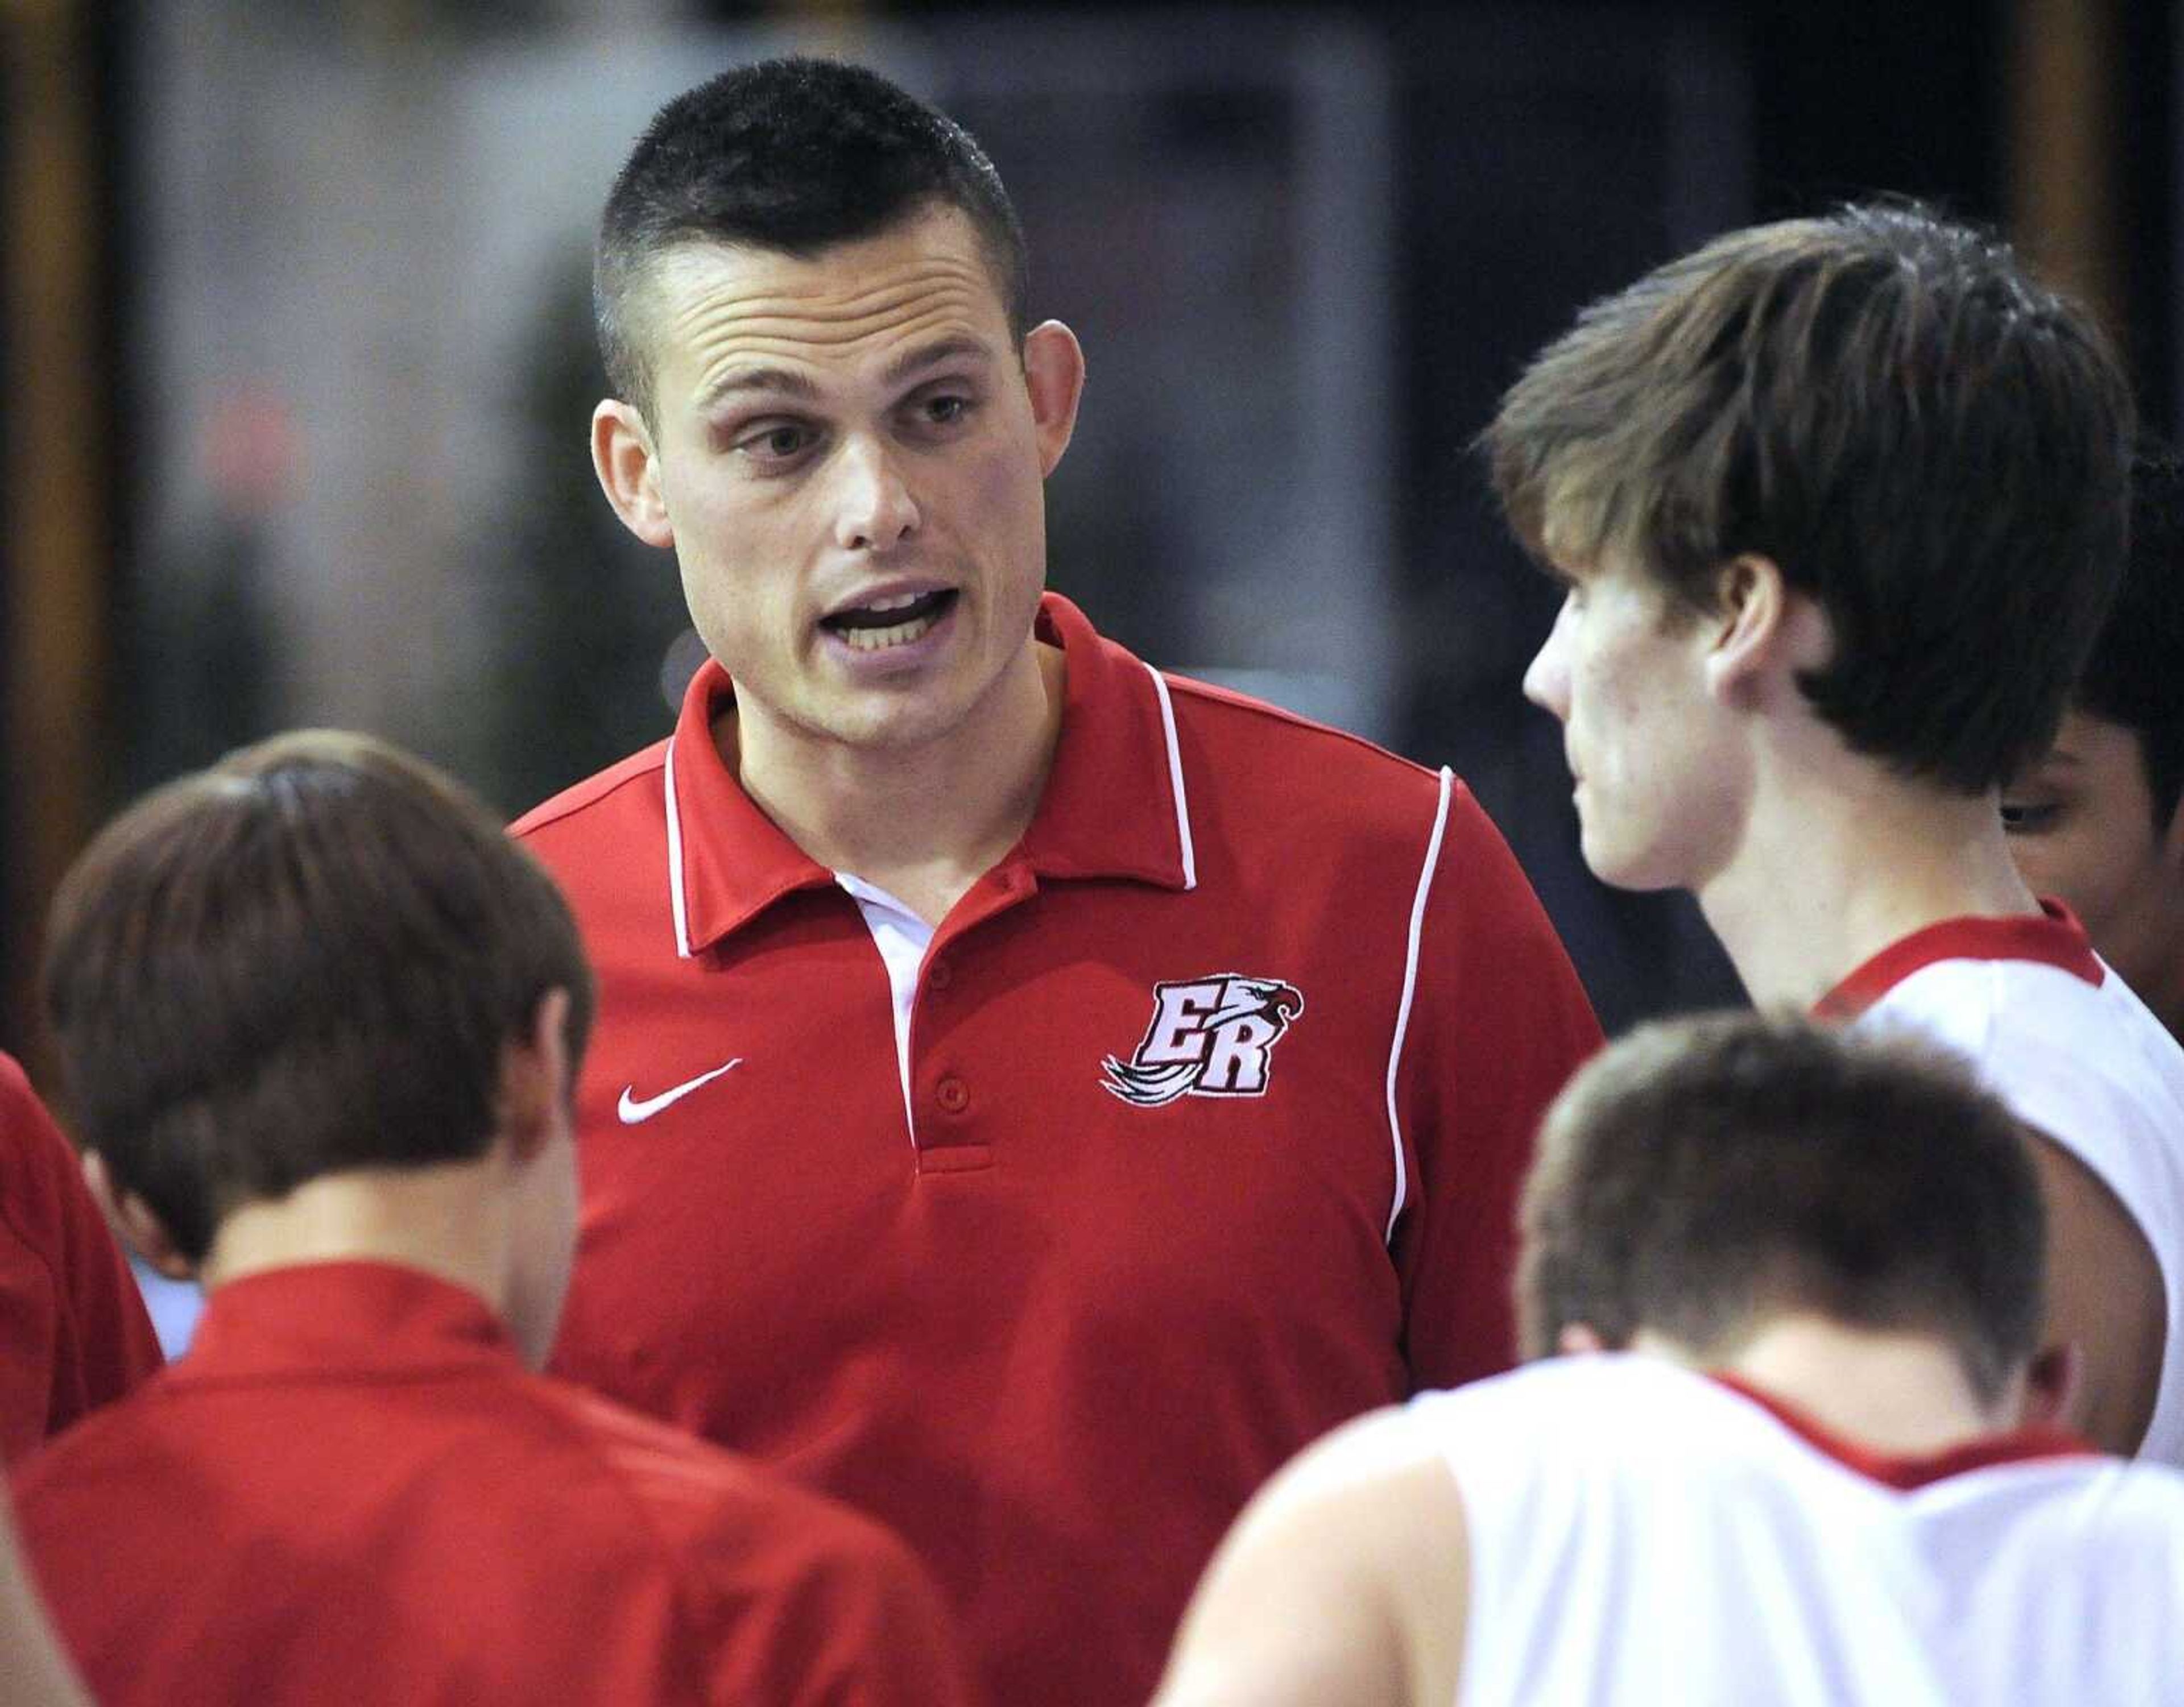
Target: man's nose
point(874, 508)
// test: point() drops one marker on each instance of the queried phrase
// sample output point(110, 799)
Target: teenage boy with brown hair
point(1804, 1453)
point(320, 1019)
point(1839, 503)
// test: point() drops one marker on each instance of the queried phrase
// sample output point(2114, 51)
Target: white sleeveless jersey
point(1641, 1534)
point(2053, 1030)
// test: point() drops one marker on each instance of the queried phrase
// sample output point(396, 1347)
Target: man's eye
point(776, 443)
point(2029, 818)
point(945, 410)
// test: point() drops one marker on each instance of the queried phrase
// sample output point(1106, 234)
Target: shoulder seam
point(580, 796)
point(1209, 693)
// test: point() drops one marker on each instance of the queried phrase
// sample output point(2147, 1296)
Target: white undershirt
point(902, 938)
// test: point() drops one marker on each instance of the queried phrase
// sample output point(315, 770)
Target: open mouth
point(888, 622)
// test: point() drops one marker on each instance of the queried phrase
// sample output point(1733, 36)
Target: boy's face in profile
point(2081, 826)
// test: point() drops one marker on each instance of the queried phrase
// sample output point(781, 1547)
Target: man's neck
point(922, 823)
point(448, 1219)
point(1838, 864)
point(1905, 1394)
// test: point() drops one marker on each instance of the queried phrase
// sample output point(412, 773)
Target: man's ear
point(1578, 1338)
point(136, 1221)
point(628, 468)
point(1053, 372)
point(2054, 1381)
point(534, 1078)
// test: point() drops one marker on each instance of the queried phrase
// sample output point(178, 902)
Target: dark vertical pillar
point(54, 551)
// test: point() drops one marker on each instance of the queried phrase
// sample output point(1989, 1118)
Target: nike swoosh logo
point(631, 1110)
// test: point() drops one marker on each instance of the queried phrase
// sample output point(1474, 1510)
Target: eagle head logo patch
point(1210, 1036)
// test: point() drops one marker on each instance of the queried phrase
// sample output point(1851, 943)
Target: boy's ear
point(534, 1078)
point(136, 1221)
point(2055, 1381)
point(1763, 626)
point(1577, 1338)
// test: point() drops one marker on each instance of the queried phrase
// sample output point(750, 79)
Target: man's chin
point(902, 724)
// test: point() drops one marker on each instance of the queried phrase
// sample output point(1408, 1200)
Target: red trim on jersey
point(2052, 937)
point(1907, 1471)
point(736, 861)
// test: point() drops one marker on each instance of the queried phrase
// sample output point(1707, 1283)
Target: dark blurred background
point(298, 362)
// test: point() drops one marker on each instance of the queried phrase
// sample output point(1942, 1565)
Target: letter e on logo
point(1178, 1033)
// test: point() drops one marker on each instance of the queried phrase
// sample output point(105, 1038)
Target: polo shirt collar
point(1116, 803)
point(348, 1313)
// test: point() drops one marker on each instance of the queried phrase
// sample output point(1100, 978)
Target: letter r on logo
point(1237, 1065)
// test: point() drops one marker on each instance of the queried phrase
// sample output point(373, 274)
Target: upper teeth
point(897, 603)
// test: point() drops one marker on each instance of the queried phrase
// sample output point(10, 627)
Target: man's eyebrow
point(958, 347)
point(780, 381)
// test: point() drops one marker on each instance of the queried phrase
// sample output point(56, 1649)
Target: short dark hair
point(1926, 440)
point(1704, 1176)
point(2136, 676)
point(303, 960)
point(792, 155)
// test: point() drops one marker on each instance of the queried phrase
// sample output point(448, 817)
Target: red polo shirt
point(350, 1489)
point(1203, 1136)
point(73, 1330)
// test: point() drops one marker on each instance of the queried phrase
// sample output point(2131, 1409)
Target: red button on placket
point(953, 1095)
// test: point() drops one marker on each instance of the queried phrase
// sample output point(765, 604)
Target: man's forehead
point(937, 246)
point(714, 308)
point(1575, 568)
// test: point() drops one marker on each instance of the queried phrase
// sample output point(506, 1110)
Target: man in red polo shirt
point(71, 1318)
point(1034, 1095)
point(319, 1019)
point(1839, 503)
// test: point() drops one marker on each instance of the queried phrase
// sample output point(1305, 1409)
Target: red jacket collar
point(2053, 937)
point(342, 1315)
point(1116, 803)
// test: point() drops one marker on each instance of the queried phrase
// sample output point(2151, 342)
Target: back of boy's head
point(307, 959)
point(2134, 677)
point(1925, 439)
point(1703, 1177)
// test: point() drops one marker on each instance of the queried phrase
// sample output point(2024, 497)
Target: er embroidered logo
point(1211, 1036)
